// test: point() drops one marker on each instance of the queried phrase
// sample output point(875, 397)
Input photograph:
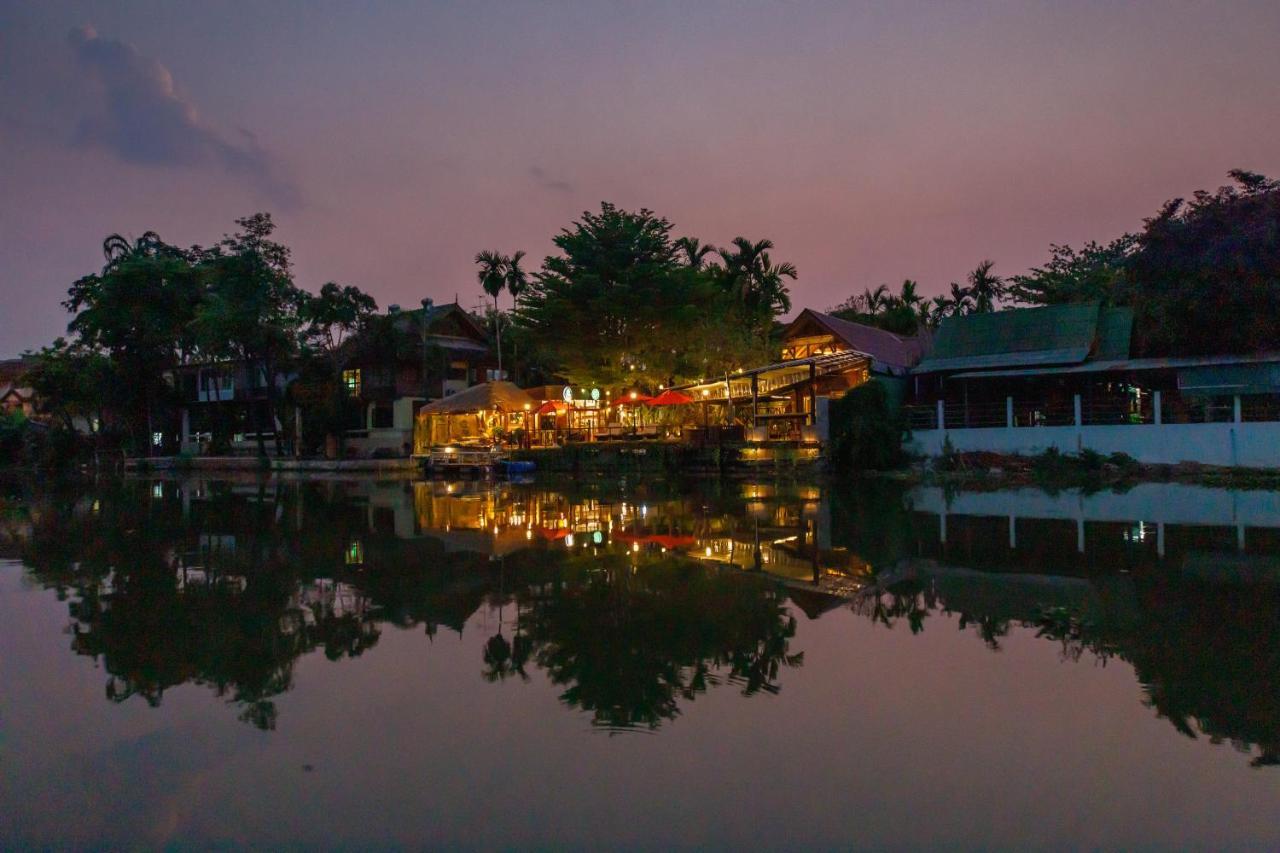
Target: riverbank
point(1087, 470)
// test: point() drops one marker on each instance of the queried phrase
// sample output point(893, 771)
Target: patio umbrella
point(670, 397)
point(553, 407)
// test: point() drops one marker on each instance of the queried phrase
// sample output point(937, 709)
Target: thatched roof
point(491, 395)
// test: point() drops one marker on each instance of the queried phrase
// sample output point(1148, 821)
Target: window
point(351, 379)
point(381, 418)
point(458, 370)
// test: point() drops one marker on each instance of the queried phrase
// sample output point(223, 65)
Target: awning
point(504, 396)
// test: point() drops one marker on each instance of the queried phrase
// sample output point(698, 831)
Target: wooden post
point(813, 393)
point(755, 399)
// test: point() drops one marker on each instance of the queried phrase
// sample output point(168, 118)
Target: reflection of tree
point(628, 645)
point(1208, 658)
point(160, 604)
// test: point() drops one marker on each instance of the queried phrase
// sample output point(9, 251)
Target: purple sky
point(394, 140)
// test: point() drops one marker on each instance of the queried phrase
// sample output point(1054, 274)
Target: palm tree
point(694, 251)
point(517, 280)
point(961, 301)
point(117, 249)
point(985, 287)
point(492, 276)
point(875, 300)
point(742, 265)
point(909, 294)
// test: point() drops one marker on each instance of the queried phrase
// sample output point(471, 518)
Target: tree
point(756, 282)
point(492, 276)
point(250, 310)
point(73, 384)
point(618, 305)
point(1095, 273)
point(138, 312)
point(1204, 277)
point(331, 320)
point(694, 251)
point(986, 289)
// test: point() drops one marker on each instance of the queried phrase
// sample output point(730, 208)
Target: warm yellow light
point(706, 393)
point(527, 407)
point(708, 550)
point(633, 395)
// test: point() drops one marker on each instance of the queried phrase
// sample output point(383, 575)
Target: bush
point(866, 431)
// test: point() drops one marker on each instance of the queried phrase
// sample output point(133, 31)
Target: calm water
point(382, 664)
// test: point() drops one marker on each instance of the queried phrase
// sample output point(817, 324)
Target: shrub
point(866, 431)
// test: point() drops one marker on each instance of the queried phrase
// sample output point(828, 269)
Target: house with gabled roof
point(407, 358)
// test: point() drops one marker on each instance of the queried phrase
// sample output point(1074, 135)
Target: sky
point(391, 141)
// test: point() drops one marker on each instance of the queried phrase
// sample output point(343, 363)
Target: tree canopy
point(625, 301)
point(1214, 258)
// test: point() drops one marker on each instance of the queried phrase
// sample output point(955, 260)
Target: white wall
point(1246, 445)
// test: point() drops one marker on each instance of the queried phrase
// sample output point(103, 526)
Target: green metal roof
point(1115, 329)
point(1029, 337)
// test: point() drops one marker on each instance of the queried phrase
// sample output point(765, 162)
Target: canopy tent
point(500, 396)
point(479, 414)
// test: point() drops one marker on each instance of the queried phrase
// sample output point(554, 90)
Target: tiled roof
point(882, 346)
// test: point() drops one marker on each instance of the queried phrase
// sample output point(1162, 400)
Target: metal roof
point(1055, 334)
point(1128, 365)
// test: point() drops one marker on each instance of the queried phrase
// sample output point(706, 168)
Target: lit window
point(351, 379)
point(355, 553)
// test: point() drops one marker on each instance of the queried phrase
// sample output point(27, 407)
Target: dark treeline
point(1214, 257)
point(154, 308)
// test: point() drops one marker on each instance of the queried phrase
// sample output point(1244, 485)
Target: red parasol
point(553, 407)
point(670, 397)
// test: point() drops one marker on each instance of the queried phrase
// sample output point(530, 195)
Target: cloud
point(141, 118)
point(546, 182)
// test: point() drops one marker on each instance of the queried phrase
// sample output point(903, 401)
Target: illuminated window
point(351, 379)
point(355, 553)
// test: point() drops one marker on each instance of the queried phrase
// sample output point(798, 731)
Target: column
point(755, 398)
point(1235, 409)
point(1158, 415)
point(942, 415)
point(1013, 532)
point(1008, 412)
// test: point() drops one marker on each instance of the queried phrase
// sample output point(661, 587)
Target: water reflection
point(635, 600)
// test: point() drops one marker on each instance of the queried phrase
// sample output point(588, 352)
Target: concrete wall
point(1245, 444)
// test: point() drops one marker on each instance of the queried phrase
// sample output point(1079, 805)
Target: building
point(821, 358)
point(408, 358)
point(1028, 380)
point(15, 396)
